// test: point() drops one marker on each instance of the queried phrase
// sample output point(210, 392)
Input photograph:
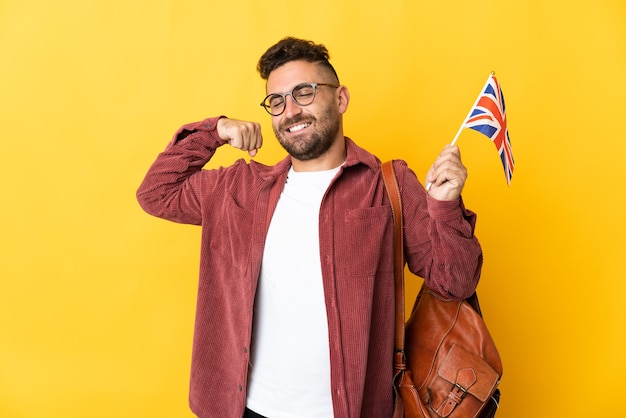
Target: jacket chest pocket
point(363, 240)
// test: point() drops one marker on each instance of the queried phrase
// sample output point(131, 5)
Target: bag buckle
point(456, 393)
point(454, 399)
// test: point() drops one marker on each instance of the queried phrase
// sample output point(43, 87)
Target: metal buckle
point(460, 388)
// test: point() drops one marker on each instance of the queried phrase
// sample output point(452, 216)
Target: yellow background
point(97, 298)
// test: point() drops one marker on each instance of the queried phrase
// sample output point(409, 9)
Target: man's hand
point(242, 135)
point(447, 175)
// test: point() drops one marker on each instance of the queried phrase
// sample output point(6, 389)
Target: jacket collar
point(355, 155)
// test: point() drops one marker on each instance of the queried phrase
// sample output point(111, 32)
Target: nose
point(291, 107)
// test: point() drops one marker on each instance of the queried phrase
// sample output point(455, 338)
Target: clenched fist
point(240, 134)
point(447, 175)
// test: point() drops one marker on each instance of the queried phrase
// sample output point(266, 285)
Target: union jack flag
point(489, 118)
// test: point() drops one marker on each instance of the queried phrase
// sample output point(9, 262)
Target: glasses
point(303, 95)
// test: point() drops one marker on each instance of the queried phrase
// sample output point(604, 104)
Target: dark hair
point(293, 49)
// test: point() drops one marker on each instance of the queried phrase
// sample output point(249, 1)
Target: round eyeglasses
point(303, 95)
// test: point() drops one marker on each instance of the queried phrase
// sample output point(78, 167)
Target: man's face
point(306, 132)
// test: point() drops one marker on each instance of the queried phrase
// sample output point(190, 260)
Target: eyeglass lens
point(302, 94)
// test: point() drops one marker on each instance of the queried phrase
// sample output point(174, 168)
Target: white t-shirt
point(290, 361)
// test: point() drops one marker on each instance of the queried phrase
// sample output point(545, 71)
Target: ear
point(343, 96)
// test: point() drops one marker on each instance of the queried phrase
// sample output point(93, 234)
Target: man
point(295, 303)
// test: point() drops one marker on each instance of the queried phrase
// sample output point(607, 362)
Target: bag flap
point(470, 372)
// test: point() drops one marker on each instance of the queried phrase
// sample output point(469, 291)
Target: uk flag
point(488, 117)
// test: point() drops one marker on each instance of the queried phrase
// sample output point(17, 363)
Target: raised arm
point(175, 183)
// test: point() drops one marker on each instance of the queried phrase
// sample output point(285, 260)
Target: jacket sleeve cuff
point(208, 126)
point(450, 210)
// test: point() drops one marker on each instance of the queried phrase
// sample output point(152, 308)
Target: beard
point(319, 140)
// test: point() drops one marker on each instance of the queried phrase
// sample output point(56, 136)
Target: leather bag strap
point(393, 192)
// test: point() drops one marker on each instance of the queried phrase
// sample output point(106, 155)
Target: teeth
point(298, 127)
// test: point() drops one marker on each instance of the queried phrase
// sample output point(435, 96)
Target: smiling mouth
point(298, 127)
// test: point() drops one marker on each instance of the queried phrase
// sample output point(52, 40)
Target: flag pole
point(467, 117)
point(472, 108)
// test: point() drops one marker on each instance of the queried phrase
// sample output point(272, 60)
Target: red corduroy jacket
point(234, 206)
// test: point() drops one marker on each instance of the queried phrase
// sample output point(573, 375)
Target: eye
point(276, 101)
point(303, 92)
